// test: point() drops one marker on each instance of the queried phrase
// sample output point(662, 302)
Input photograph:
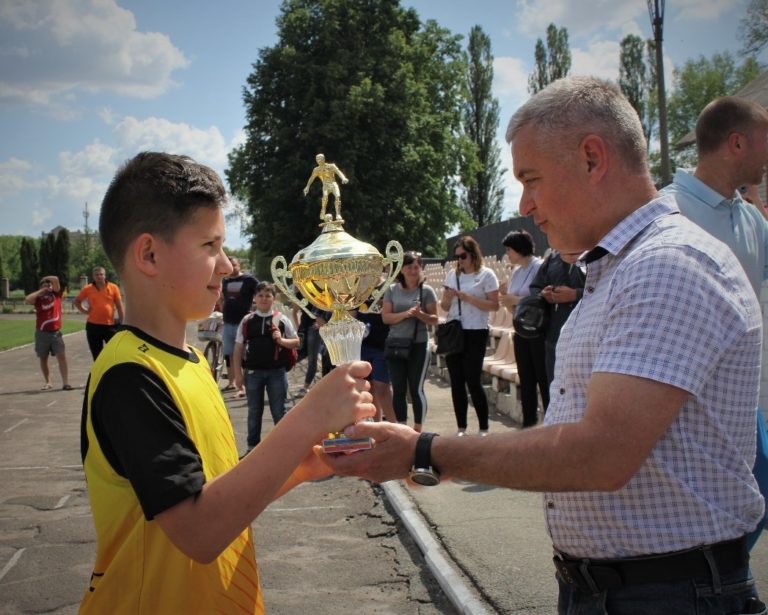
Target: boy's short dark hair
point(155, 193)
point(520, 241)
point(268, 286)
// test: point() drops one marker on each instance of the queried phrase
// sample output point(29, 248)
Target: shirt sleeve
point(668, 323)
point(239, 335)
point(144, 437)
point(290, 330)
point(490, 281)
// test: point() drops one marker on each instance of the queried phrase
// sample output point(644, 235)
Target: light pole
point(656, 12)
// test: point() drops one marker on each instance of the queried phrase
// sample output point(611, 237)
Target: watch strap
point(423, 456)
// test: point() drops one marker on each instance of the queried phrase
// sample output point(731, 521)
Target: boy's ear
point(143, 254)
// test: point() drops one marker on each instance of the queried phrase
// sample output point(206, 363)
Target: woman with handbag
point(530, 352)
point(471, 292)
point(409, 307)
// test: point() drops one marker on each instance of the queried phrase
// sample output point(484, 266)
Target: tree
point(696, 84)
point(47, 259)
point(553, 61)
point(61, 257)
point(29, 265)
point(484, 193)
point(363, 82)
point(634, 79)
point(754, 28)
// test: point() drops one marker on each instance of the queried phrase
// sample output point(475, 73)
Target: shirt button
point(550, 505)
point(590, 289)
point(562, 391)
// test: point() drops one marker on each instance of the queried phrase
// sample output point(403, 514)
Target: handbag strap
point(416, 320)
point(458, 286)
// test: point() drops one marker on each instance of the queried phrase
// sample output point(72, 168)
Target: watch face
point(425, 477)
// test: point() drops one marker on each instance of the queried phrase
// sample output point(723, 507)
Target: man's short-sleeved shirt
point(48, 311)
point(736, 223)
point(670, 303)
point(101, 301)
point(238, 297)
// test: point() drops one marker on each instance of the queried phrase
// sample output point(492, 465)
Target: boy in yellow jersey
point(171, 504)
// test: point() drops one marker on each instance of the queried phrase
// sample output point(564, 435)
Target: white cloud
point(55, 47)
point(207, 146)
point(95, 159)
point(599, 59)
point(534, 16)
point(701, 10)
point(510, 78)
point(12, 176)
point(41, 216)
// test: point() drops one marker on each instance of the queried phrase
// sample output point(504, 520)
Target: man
point(645, 455)
point(732, 151)
point(731, 136)
point(237, 293)
point(327, 172)
point(103, 299)
point(48, 339)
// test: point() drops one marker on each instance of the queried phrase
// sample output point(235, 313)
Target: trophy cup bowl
point(338, 273)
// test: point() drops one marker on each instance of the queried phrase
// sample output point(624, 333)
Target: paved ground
point(336, 546)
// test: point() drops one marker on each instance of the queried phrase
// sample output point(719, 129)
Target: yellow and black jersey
point(154, 430)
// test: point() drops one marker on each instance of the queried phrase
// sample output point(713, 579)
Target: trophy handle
point(279, 268)
point(394, 258)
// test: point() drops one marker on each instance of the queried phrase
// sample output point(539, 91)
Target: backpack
point(260, 350)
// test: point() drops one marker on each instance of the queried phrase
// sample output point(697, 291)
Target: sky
point(87, 84)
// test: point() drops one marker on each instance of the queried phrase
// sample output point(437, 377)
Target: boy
point(257, 359)
point(48, 339)
point(171, 504)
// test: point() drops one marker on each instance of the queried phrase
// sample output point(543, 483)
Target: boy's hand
point(341, 398)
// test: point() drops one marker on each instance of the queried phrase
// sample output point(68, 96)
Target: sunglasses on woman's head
point(462, 256)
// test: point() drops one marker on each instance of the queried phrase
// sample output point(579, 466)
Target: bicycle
point(210, 331)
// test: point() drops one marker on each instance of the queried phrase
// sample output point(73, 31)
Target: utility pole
point(656, 12)
point(86, 231)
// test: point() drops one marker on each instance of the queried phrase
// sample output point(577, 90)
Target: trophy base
point(343, 444)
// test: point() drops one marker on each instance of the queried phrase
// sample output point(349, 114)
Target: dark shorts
point(375, 356)
point(48, 342)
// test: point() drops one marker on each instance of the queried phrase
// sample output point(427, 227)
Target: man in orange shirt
point(103, 299)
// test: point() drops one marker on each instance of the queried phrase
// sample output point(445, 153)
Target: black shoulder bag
point(450, 335)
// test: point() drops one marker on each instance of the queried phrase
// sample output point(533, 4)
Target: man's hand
point(559, 294)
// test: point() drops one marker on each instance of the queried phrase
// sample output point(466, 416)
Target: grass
point(15, 333)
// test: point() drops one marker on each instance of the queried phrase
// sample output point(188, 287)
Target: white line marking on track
point(62, 501)
point(305, 508)
point(11, 563)
point(12, 427)
point(49, 405)
point(14, 469)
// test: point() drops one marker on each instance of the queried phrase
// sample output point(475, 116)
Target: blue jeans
point(275, 383)
point(699, 596)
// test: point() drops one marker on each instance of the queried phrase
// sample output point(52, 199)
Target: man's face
point(46, 285)
point(264, 300)
point(99, 276)
point(552, 194)
point(756, 158)
point(235, 266)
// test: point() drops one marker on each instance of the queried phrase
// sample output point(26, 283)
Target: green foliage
point(47, 258)
point(696, 84)
point(754, 28)
point(86, 254)
point(481, 172)
point(551, 62)
point(10, 250)
point(363, 82)
point(29, 278)
point(61, 257)
point(635, 79)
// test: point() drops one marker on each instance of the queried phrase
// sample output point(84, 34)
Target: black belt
point(596, 575)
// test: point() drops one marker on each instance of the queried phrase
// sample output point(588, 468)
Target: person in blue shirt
point(731, 136)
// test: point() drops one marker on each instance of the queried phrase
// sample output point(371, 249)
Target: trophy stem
point(343, 336)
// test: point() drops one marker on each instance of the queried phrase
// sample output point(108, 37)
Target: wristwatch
point(423, 472)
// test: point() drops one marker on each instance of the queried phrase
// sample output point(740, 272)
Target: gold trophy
point(337, 273)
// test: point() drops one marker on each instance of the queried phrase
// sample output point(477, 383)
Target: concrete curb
point(453, 582)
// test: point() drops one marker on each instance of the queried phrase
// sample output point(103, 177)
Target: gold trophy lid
point(334, 243)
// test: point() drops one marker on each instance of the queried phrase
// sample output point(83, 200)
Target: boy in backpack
point(171, 505)
point(264, 342)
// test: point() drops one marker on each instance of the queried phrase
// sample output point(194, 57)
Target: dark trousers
point(532, 370)
point(98, 336)
point(465, 370)
point(409, 374)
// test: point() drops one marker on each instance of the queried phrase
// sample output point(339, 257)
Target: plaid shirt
point(670, 303)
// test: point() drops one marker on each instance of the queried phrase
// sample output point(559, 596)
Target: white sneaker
point(483, 433)
point(461, 432)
